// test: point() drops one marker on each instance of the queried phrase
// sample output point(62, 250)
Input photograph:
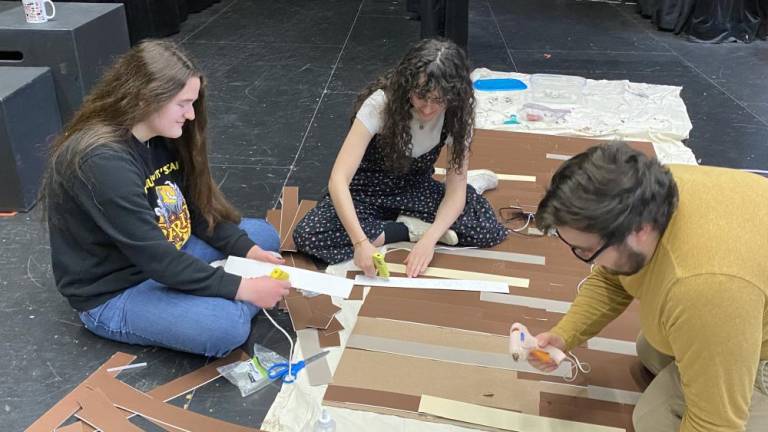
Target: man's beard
point(634, 261)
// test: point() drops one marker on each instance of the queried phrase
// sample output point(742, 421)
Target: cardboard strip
point(128, 398)
point(100, 412)
point(506, 177)
point(416, 376)
point(448, 354)
point(68, 405)
point(613, 395)
point(448, 273)
point(396, 401)
point(334, 327)
point(586, 410)
point(273, 217)
point(318, 372)
point(301, 261)
point(289, 205)
point(546, 304)
point(501, 419)
point(175, 388)
point(304, 208)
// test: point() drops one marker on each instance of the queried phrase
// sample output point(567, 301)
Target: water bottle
point(325, 423)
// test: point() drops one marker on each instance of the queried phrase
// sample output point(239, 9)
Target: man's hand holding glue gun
point(544, 352)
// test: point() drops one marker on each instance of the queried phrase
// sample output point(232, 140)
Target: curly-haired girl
point(381, 188)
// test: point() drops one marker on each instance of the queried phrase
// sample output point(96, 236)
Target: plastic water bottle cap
point(325, 417)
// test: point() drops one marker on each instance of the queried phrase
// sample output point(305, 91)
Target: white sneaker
point(417, 228)
point(482, 180)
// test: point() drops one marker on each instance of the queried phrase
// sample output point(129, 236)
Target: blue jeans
point(155, 315)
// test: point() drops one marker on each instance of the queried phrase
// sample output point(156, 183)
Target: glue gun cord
point(290, 341)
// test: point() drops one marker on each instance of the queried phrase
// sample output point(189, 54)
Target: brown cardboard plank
point(179, 386)
point(99, 412)
point(273, 217)
point(304, 207)
point(289, 206)
point(496, 388)
point(128, 398)
point(68, 405)
point(361, 396)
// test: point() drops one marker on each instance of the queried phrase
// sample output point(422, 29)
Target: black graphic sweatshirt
point(125, 220)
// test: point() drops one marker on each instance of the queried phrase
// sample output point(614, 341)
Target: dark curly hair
point(431, 65)
point(610, 190)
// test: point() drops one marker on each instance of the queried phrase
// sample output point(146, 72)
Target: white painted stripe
point(612, 345)
point(558, 156)
point(507, 177)
point(613, 395)
point(517, 300)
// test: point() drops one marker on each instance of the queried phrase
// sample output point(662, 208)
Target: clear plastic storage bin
point(559, 89)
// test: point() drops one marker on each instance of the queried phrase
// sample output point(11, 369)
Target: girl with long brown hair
point(135, 217)
point(381, 188)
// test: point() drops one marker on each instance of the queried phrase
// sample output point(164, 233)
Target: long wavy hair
point(431, 65)
point(140, 83)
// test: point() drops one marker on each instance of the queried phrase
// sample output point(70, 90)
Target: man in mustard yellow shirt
point(691, 245)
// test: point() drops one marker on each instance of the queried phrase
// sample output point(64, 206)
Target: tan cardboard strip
point(448, 354)
point(124, 396)
point(465, 275)
point(586, 410)
point(100, 412)
point(304, 208)
point(289, 206)
point(508, 177)
point(68, 405)
point(318, 372)
point(502, 419)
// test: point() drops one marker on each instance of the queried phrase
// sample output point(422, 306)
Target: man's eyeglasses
point(577, 251)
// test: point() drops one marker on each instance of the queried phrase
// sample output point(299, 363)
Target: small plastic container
point(325, 423)
point(557, 89)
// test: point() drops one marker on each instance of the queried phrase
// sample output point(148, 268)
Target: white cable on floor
point(291, 378)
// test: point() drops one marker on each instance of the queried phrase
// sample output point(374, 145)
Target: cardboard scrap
point(304, 208)
point(328, 341)
point(101, 413)
point(311, 312)
point(128, 398)
point(68, 405)
point(165, 392)
point(290, 203)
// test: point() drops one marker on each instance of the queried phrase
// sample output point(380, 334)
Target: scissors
point(280, 370)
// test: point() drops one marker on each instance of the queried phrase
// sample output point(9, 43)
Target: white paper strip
point(320, 283)
point(508, 177)
point(558, 156)
point(440, 284)
point(612, 345)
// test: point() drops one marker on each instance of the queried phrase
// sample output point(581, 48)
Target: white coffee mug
point(34, 11)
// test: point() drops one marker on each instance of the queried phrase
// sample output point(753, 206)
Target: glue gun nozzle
point(515, 356)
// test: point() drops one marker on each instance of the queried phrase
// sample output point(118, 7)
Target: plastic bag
point(531, 112)
point(250, 375)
